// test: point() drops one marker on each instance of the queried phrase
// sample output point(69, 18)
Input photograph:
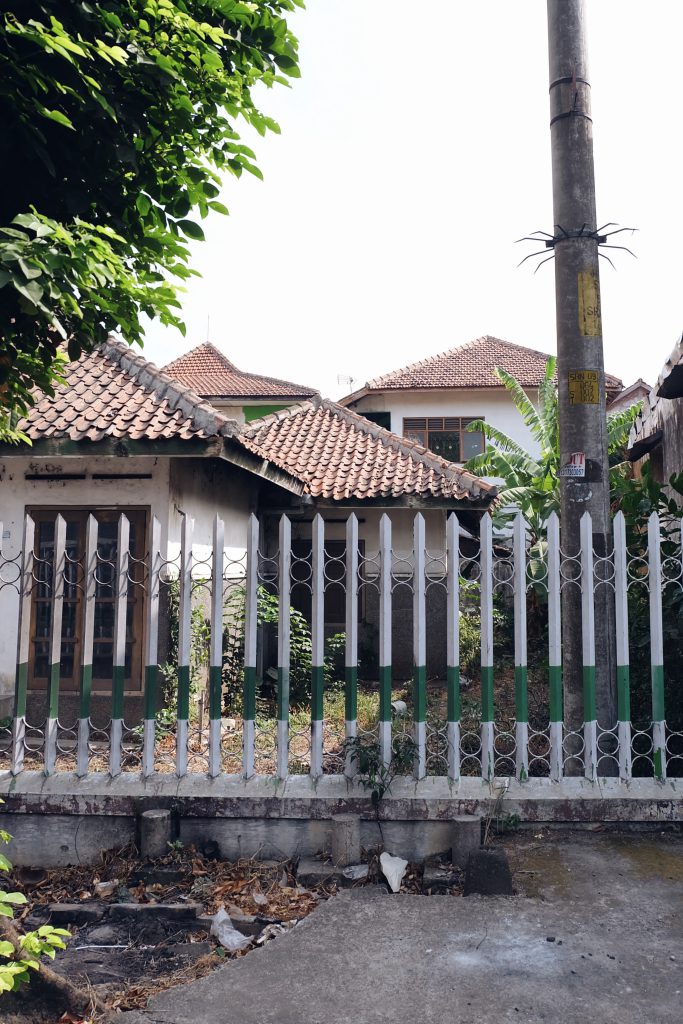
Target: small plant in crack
point(373, 773)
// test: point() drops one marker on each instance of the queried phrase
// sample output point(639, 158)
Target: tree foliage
point(119, 120)
point(531, 482)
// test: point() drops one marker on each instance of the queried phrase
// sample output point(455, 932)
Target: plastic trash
point(226, 933)
point(393, 869)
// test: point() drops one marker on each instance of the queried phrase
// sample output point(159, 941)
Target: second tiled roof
point(340, 455)
point(471, 366)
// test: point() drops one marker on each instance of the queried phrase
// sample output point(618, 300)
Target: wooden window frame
point(420, 429)
point(139, 516)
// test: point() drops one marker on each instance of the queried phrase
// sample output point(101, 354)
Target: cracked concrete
point(596, 933)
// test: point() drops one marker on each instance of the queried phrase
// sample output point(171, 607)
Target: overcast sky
point(414, 150)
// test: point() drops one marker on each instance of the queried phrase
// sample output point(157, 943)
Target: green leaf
point(16, 898)
point(144, 204)
point(56, 115)
point(192, 230)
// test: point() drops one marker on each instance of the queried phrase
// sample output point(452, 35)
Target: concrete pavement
point(595, 934)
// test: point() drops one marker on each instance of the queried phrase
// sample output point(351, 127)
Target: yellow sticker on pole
point(590, 321)
point(583, 387)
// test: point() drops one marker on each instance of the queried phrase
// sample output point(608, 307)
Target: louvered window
point(446, 436)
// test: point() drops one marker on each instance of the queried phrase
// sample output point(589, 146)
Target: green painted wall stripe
point(151, 676)
point(20, 688)
point(555, 681)
point(86, 690)
point(249, 693)
point(283, 694)
point(385, 693)
point(623, 693)
point(453, 688)
point(521, 693)
point(53, 691)
point(589, 706)
point(420, 693)
point(215, 691)
point(657, 675)
point(255, 412)
point(351, 692)
point(487, 693)
point(184, 692)
point(317, 684)
point(118, 683)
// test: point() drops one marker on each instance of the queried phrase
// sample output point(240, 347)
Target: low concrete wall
point(64, 820)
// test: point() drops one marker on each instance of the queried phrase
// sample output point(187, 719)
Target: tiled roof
point(208, 372)
point(340, 455)
point(113, 392)
point(470, 366)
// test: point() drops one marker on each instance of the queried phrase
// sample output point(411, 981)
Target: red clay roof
point(470, 366)
point(113, 392)
point(208, 372)
point(340, 455)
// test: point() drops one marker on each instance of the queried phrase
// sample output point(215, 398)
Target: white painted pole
point(216, 649)
point(590, 726)
point(419, 648)
point(521, 670)
point(250, 634)
point(555, 650)
point(89, 593)
point(453, 643)
point(385, 669)
point(58, 572)
point(283, 647)
point(621, 621)
point(486, 597)
point(184, 645)
point(351, 641)
point(120, 588)
point(318, 644)
point(151, 648)
point(26, 584)
point(655, 583)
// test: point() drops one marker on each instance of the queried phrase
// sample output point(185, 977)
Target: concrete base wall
point(62, 820)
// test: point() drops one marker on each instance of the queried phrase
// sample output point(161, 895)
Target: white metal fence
point(249, 688)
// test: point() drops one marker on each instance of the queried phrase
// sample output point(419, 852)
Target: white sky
point(414, 151)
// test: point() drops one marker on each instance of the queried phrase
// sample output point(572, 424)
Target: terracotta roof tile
point(208, 372)
point(112, 392)
point(470, 366)
point(339, 455)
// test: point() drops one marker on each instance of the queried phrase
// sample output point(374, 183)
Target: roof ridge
point(165, 387)
point(401, 444)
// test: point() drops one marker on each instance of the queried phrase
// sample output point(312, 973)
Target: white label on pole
point(576, 465)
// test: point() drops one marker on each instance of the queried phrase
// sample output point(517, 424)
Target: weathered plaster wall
point(17, 494)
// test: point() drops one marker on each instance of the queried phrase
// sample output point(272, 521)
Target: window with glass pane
point(446, 436)
point(74, 596)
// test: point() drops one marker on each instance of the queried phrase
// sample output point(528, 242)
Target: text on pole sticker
point(590, 322)
point(583, 387)
point(576, 467)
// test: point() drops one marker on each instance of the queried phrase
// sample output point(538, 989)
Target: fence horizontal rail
point(283, 657)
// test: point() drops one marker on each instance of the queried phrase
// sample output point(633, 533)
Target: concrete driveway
point(595, 935)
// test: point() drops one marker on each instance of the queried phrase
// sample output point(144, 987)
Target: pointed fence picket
point(505, 563)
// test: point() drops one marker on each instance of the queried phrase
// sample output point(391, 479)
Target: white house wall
point(496, 407)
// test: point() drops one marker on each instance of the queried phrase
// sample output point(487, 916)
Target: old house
point(121, 436)
point(432, 401)
point(657, 434)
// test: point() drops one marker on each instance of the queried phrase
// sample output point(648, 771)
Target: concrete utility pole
point(580, 367)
